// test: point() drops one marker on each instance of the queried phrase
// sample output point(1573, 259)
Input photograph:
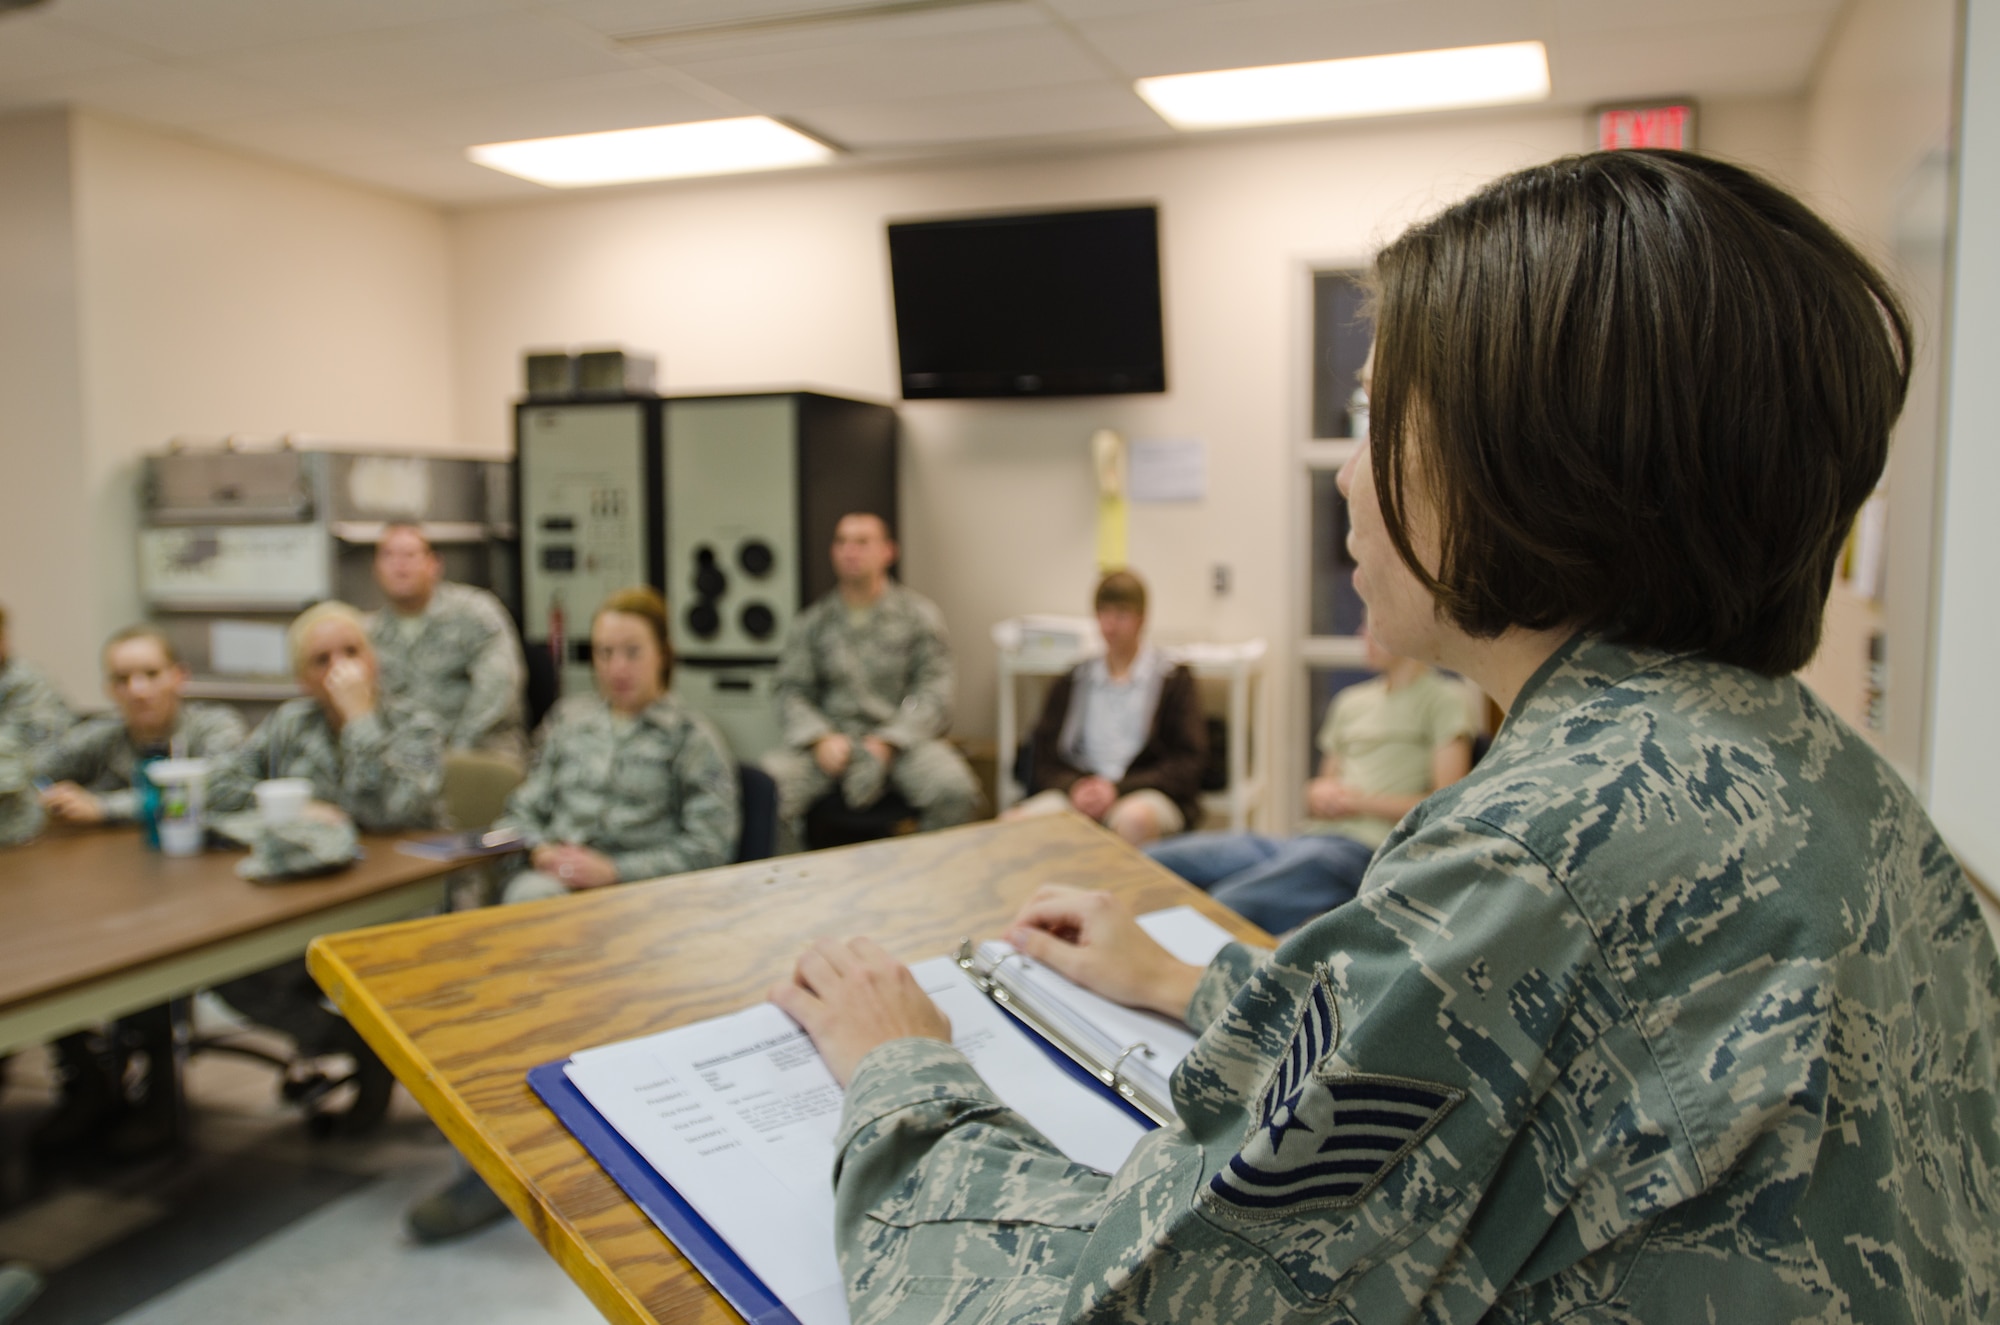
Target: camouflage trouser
point(932, 777)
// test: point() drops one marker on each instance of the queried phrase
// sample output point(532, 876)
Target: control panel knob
point(710, 582)
point(758, 621)
point(703, 620)
point(756, 558)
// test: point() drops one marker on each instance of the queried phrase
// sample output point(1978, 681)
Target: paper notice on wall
point(247, 648)
point(1166, 469)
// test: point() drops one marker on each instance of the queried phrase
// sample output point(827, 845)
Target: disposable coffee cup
point(182, 823)
point(281, 800)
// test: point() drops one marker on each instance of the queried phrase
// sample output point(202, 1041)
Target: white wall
point(1966, 714)
point(783, 279)
point(1878, 127)
point(213, 294)
point(44, 556)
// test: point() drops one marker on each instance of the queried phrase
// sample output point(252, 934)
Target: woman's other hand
point(1092, 938)
point(851, 996)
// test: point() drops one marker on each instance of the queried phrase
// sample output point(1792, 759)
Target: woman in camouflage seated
point(1675, 1008)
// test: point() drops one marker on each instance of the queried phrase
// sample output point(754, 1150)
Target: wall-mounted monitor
point(1046, 304)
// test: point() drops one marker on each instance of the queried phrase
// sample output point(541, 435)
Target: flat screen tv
point(1048, 304)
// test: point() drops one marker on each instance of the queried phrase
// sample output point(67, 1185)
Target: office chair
point(758, 839)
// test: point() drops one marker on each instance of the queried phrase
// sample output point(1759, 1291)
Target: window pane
point(1322, 684)
point(1341, 337)
point(1336, 608)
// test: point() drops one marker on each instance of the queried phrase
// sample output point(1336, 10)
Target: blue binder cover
point(702, 1245)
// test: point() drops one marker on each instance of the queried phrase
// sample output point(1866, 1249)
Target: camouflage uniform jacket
point(30, 707)
point(658, 795)
point(99, 754)
point(463, 665)
point(1676, 1009)
point(890, 677)
point(385, 769)
point(20, 806)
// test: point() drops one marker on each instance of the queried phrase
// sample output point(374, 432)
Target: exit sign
point(1669, 124)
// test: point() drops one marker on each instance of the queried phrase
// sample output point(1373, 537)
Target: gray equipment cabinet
point(233, 543)
point(726, 503)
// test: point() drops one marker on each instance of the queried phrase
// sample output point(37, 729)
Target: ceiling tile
point(174, 95)
point(38, 46)
point(453, 56)
point(1080, 108)
point(1638, 17)
point(206, 27)
point(1767, 57)
point(630, 99)
point(1261, 32)
point(312, 136)
point(435, 175)
point(957, 24)
point(797, 81)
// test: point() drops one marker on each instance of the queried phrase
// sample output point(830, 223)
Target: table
point(94, 926)
point(461, 1006)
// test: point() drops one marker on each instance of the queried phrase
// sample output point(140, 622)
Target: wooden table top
point(82, 904)
point(462, 1006)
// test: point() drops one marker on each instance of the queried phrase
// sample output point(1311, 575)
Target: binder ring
point(1118, 1063)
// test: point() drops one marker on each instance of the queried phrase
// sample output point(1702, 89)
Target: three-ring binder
point(991, 977)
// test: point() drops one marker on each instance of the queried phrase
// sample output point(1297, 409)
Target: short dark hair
point(646, 603)
point(1121, 588)
point(146, 631)
point(1642, 393)
point(888, 531)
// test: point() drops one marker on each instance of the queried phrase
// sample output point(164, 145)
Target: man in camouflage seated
point(448, 649)
point(864, 695)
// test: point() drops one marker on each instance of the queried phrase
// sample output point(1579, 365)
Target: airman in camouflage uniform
point(656, 792)
point(459, 660)
point(100, 755)
point(884, 671)
point(30, 707)
point(1676, 1009)
point(20, 808)
point(385, 768)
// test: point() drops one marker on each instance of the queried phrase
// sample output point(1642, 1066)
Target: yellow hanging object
point(1107, 452)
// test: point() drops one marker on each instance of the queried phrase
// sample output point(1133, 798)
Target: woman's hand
point(351, 689)
point(573, 866)
point(1092, 938)
point(851, 995)
point(72, 804)
point(1093, 796)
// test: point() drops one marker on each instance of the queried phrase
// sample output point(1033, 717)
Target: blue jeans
point(1276, 883)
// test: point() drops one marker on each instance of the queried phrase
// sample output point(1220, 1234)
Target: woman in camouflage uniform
point(1675, 1008)
point(626, 783)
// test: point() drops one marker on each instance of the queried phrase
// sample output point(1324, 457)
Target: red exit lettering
point(1644, 126)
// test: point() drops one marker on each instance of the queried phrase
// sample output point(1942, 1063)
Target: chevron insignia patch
point(1327, 1138)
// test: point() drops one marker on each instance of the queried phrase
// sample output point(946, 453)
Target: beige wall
point(783, 280)
point(1878, 124)
point(213, 295)
point(46, 557)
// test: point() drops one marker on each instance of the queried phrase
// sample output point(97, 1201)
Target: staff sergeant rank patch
point(1327, 1138)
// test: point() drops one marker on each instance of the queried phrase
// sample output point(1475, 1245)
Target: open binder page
point(1139, 1049)
point(739, 1115)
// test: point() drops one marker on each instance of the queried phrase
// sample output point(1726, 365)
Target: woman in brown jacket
point(1121, 739)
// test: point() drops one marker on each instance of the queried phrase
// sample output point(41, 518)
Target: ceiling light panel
point(1506, 74)
point(667, 151)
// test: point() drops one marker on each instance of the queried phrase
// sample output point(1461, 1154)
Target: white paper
point(248, 648)
point(739, 1114)
point(1167, 469)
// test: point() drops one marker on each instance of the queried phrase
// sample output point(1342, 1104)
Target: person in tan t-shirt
point(1385, 745)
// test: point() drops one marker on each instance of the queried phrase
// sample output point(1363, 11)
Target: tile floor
point(259, 1222)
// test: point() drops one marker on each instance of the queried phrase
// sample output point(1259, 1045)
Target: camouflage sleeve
point(925, 712)
point(1228, 971)
point(392, 770)
point(531, 804)
point(37, 712)
point(74, 756)
point(710, 818)
point(497, 674)
point(944, 1197)
point(233, 777)
point(20, 807)
point(800, 720)
point(215, 730)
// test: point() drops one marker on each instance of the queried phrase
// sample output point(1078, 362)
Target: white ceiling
point(392, 92)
